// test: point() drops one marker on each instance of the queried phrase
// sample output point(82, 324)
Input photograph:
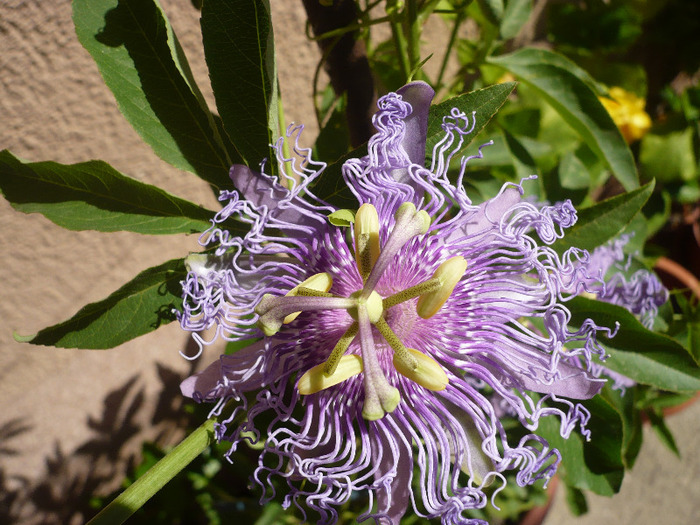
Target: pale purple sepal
point(419, 95)
point(572, 382)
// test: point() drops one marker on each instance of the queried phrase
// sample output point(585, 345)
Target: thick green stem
point(136, 495)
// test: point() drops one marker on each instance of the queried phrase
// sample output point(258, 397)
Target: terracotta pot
point(537, 515)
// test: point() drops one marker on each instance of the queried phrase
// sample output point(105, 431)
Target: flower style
point(380, 347)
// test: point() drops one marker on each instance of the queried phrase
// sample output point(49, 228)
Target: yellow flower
point(627, 111)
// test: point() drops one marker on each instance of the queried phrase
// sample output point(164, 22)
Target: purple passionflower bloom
point(641, 292)
point(378, 348)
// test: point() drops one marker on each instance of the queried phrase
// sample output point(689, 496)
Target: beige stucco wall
point(53, 105)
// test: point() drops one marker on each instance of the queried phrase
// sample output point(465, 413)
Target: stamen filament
point(400, 351)
point(409, 293)
point(339, 349)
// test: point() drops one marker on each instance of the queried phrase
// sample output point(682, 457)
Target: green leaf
point(515, 15)
point(138, 307)
point(601, 222)
point(333, 139)
point(694, 340)
point(492, 10)
point(640, 354)
point(576, 501)
point(568, 89)
point(342, 217)
point(595, 465)
point(523, 162)
point(239, 50)
point(143, 65)
point(658, 424)
point(669, 157)
point(331, 186)
point(272, 514)
point(94, 196)
point(624, 404)
point(485, 103)
point(573, 174)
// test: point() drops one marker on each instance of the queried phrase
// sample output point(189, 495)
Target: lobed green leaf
point(492, 10)
point(142, 63)
point(523, 163)
point(571, 92)
point(140, 306)
point(658, 424)
point(94, 196)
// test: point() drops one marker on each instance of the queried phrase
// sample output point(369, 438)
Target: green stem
point(401, 48)
point(134, 497)
point(347, 29)
point(414, 27)
point(459, 18)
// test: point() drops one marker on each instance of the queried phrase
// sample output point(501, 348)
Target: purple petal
point(419, 95)
point(263, 190)
point(491, 211)
point(242, 371)
point(393, 501)
point(574, 383)
point(204, 381)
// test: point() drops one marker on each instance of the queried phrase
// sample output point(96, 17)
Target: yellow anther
point(448, 273)
point(428, 373)
point(366, 231)
point(321, 282)
point(315, 380)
